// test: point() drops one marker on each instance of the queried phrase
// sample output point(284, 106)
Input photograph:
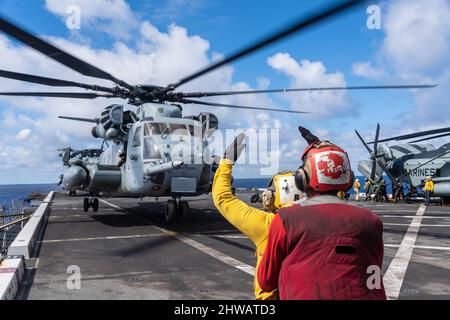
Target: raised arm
point(252, 222)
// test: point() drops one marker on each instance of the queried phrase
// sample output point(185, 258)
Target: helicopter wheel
point(86, 204)
point(95, 205)
point(171, 211)
point(184, 209)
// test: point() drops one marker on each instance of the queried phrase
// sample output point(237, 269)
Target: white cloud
point(114, 17)
point(23, 134)
point(306, 74)
point(417, 46)
point(417, 35)
point(366, 70)
point(415, 50)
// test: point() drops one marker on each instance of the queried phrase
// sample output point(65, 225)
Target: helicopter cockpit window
point(151, 129)
point(195, 131)
point(151, 150)
point(179, 129)
point(137, 137)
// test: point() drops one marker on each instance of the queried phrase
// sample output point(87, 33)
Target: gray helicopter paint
point(155, 110)
point(401, 150)
point(74, 177)
point(410, 162)
point(131, 179)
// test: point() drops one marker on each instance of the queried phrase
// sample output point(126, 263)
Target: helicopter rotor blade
point(228, 93)
point(298, 25)
point(221, 105)
point(375, 155)
point(430, 138)
point(385, 169)
point(57, 54)
point(374, 161)
point(51, 81)
point(75, 95)
point(96, 120)
point(363, 142)
point(377, 135)
point(415, 135)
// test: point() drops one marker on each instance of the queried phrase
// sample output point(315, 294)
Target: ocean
point(10, 194)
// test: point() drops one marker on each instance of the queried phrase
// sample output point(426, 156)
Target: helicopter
point(155, 150)
point(410, 162)
point(74, 177)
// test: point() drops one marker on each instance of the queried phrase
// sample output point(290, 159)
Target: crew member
point(367, 189)
point(398, 194)
point(383, 191)
point(252, 222)
point(322, 248)
point(356, 187)
point(376, 191)
point(429, 188)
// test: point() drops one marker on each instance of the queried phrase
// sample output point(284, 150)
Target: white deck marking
point(205, 249)
point(105, 238)
point(423, 225)
point(164, 234)
point(399, 211)
point(410, 217)
point(395, 274)
point(419, 247)
point(217, 254)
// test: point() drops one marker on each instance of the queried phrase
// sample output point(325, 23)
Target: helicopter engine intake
point(113, 123)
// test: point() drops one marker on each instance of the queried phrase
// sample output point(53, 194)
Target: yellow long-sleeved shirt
point(429, 186)
point(252, 222)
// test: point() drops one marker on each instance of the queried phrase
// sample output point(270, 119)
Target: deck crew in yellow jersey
point(429, 188)
point(252, 222)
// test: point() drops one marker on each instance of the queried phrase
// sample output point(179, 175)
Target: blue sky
point(339, 46)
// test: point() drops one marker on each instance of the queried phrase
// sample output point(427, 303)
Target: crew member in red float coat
point(324, 248)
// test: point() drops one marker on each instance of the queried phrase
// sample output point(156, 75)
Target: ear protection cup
point(301, 179)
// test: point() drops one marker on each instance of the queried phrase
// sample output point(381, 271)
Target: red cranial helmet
point(326, 167)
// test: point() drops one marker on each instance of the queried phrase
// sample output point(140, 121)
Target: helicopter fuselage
point(163, 154)
point(412, 163)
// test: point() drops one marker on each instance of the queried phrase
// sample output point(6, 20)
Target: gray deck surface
point(126, 251)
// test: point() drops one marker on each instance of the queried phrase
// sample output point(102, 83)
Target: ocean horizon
point(20, 192)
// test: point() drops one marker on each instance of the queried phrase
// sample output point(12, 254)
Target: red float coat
point(324, 248)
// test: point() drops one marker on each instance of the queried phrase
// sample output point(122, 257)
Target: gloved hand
point(234, 150)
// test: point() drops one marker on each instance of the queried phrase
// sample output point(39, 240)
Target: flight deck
point(127, 251)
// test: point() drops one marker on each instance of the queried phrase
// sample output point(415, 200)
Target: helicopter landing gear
point(176, 209)
point(90, 202)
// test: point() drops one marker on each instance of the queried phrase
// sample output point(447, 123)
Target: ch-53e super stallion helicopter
point(155, 150)
point(410, 162)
